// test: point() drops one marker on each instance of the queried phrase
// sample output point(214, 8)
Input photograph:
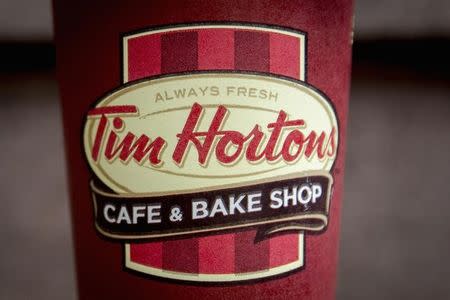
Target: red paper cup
point(205, 143)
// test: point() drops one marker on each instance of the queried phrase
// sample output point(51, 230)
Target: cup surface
point(205, 145)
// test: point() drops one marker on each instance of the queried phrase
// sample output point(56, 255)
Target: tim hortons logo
point(237, 160)
point(216, 141)
point(215, 174)
point(232, 135)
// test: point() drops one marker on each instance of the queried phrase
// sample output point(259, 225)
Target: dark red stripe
point(250, 256)
point(252, 51)
point(179, 53)
point(181, 255)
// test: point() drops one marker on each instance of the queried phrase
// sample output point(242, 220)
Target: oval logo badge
point(200, 131)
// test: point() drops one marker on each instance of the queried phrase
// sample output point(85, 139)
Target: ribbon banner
point(298, 202)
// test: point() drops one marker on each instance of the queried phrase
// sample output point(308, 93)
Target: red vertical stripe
point(179, 53)
point(144, 56)
point(216, 254)
point(285, 55)
point(216, 51)
point(284, 60)
point(144, 59)
point(283, 249)
point(251, 53)
point(149, 254)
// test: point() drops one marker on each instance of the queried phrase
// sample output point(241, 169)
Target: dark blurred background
point(396, 220)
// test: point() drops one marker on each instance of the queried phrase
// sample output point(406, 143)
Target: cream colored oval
point(166, 119)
